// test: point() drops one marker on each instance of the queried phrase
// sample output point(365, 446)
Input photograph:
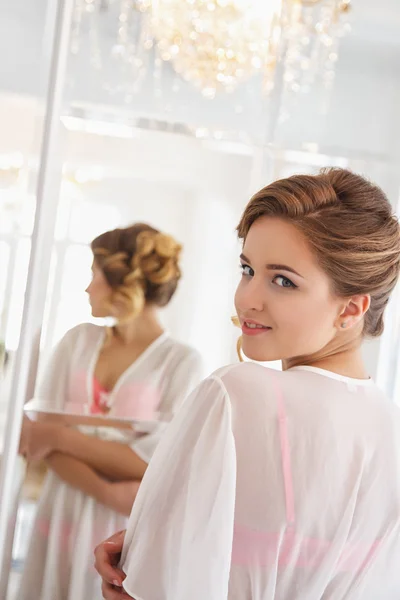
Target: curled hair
point(349, 224)
point(140, 264)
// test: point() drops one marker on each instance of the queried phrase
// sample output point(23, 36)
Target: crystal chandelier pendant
point(217, 44)
point(312, 31)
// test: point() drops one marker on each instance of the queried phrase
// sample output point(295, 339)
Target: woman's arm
point(186, 506)
point(118, 496)
point(79, 475)
point(114, 460)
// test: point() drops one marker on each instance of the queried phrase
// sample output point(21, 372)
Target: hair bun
point(141, 265)
point(166, 246)
point(167, 272)
point(133, 276)
point(145, 244)
point(116, 261)
point(157, 257)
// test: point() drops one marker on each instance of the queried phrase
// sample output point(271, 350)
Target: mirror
point(144, 141)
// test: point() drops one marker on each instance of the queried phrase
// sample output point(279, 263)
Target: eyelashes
point(285, 282)
point(246, 270)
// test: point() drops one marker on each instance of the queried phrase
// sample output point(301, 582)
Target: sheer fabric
point(271, 485)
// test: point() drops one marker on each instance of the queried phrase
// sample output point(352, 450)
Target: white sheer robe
point(271, 485)
point(69, 523)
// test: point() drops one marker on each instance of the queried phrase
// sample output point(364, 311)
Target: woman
point(133, 369)
point(283, 485)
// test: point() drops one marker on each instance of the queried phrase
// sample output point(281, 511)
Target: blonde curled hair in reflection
point(239, 343)
point(141, 265)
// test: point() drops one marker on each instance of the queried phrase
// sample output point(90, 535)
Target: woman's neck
point(144, 329)
point(345, 359)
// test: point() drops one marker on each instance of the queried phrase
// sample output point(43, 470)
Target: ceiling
point(377, 21)
point(369, 65)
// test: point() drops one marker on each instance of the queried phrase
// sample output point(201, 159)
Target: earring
point(343, 325)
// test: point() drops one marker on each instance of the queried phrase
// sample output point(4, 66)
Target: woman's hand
point(111, 592)
point(108, 555)
point(38, 439)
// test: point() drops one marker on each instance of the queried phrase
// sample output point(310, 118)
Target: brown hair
point(140, 264)
point(350, 225)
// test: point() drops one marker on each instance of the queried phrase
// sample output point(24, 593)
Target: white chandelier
point(311, 33)
point(217, 45)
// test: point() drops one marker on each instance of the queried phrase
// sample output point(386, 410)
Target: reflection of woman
point(285, 484)
point(132, 370)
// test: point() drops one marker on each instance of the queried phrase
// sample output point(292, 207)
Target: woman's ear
point(353, 311)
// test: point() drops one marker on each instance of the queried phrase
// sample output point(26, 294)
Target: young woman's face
point(284, 300)
point(99, 292)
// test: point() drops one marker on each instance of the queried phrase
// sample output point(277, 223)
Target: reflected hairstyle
point(140, 264)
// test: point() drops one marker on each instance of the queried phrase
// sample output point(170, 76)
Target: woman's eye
point(284, 282)
point(246, 270)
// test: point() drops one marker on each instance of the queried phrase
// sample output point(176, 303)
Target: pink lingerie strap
point(267, 547)
point(285, 453)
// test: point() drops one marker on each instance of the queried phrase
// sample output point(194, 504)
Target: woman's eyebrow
point(274, 267)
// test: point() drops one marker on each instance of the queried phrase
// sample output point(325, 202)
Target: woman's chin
point(259, 354)
point(98, 314)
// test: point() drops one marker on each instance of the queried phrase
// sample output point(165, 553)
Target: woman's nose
point(252, 296)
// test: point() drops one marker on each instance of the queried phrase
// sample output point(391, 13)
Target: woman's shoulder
point(248, 371)
point(258, 374)
point(182, 351)
point(236, 382)
point(83, 332)
point(301, 387)
point(257, 380)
